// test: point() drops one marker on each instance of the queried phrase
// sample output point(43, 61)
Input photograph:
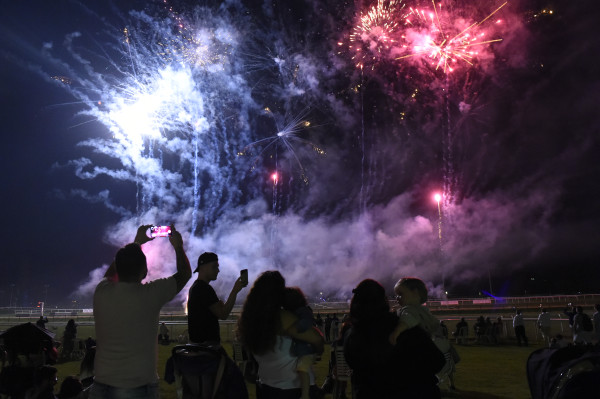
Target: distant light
point(437, 197)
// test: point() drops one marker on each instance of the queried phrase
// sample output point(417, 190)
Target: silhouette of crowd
point(402, 351)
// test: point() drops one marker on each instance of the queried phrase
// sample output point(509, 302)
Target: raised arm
point(222, 310)
point(312, 335)
point(184, 270)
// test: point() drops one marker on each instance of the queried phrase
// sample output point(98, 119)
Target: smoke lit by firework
point(217, 118)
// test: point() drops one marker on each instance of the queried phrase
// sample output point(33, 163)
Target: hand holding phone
point(160, 231)
point(244, 276)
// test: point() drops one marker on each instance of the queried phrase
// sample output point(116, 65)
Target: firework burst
point(288, 133)
point(170, 122)
point(374, 35)
point(433, 36)
point(440, 39)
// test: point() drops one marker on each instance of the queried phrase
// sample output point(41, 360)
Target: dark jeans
point(520, 333)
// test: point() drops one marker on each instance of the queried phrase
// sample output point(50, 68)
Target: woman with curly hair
point(267, 330)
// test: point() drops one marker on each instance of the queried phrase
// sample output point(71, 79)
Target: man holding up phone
point(126, 313)
point(205, 309)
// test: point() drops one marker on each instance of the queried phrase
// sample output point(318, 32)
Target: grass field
point(490, 371)
point(484, 372)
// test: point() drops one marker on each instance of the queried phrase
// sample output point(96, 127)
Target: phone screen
point(160, 231)
point(244, 276)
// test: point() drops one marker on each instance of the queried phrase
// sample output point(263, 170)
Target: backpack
point(586, 322)
point(203, 371)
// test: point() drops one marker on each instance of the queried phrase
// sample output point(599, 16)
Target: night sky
point(175, 120)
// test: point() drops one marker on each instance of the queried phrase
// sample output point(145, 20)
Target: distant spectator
point(462, 331)
point(519, 326)
point(444, 328)
point(596, 320)
point(327, 328)
point(479, 327)
point(544, 323)
point(570, 312)
point(41, 322)
point(498, 329)
point(335, 328)
point(68, 343)
point(583, 327)
point(319, 322)
point(163, 334)
point(488, 325)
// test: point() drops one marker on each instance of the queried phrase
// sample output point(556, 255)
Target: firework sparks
point(437, 197)
point(202, 48)
point(275, 178)
point(62, 79)
point(435, 35)
point(374, 35)
point(392, 30)
point(162, 116)
point(286, 135)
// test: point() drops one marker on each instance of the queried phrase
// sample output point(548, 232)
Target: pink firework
point(437, 38)
point(393, 30)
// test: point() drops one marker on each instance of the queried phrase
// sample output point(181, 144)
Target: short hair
point(205, 259)
point(130, 262)
point(413, 283)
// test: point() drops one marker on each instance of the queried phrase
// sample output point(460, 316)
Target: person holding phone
point(126, 314)
point(205, 309)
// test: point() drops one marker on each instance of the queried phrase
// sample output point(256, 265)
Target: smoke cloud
point(196, 109)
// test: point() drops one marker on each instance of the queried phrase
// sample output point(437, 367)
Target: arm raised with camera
point(223, 309)
point(184, 270)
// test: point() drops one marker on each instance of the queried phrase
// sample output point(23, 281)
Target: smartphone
point(244, 276)
point(160, 231)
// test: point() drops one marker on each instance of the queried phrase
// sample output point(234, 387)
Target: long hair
point(368, 303)
point(372, 322)
point(260, 320)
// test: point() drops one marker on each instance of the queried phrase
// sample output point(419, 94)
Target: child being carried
point(295, 302)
